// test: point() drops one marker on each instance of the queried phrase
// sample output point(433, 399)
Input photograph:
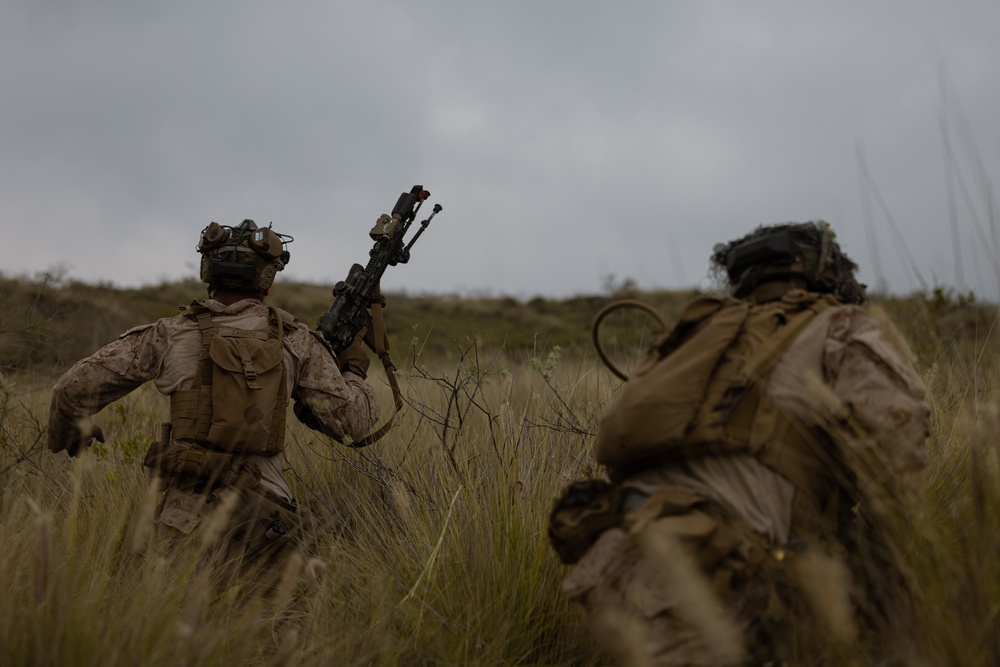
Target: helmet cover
point(244, 257)
point(806, 250)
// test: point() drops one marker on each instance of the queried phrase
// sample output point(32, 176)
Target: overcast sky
point(568, 140)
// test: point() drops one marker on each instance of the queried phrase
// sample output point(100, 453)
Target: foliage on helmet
point(806, 250)
point(245, 257)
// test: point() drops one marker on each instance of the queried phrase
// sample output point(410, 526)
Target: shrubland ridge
point(49, 323)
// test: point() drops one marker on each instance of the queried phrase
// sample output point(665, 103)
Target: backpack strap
point(768, 354)
point(191, 409)
point(276, 441)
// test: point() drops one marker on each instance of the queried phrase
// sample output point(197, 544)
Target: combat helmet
point(243, 257)
point(802, 252)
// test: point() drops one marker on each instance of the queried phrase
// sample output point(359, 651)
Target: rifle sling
point(377, 339)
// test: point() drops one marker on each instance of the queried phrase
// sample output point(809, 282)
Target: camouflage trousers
point(238, 529)
point(676, 583)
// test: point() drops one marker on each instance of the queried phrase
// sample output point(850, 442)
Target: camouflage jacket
point(167, 352)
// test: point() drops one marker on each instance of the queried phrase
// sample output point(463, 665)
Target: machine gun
point(358, 301)
point(349, 314)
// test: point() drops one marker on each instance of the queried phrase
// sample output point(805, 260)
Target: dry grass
point(434, 550)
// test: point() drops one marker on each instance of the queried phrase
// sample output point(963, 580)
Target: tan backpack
point(699, 390)
point(238, 401)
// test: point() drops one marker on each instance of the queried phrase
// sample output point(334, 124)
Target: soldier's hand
point(355, 358)
point(85, 434)
point(586, 509)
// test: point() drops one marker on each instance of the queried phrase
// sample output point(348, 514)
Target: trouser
point(677, 582)
point(235, 527)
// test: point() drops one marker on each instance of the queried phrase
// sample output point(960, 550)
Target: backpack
point(237, 404)
point(700, 390)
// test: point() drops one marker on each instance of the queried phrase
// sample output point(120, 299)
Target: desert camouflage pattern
point(671, 585)
point(167, 353)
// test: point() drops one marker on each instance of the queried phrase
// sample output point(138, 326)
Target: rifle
point(358, 301)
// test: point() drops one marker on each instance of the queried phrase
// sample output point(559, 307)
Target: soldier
point(230, 365)
point(765, 438)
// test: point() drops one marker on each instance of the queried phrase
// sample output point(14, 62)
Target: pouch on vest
point(194, 462)
point(247, 381)
point(237, 403)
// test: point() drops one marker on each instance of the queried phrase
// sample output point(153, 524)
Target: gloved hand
point(585, 510)
point(355, 358)
point(84, 436)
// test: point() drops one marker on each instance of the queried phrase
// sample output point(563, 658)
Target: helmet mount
point(245, 257)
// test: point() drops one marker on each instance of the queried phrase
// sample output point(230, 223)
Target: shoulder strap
point(204, 318)
point(278, 319)
point(767, 356)
point(377, 339)
point(759, 366)
point(697, 311)
point(285, 318)
point(191, 409)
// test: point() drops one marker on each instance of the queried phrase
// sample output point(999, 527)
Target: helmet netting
point(821, 262)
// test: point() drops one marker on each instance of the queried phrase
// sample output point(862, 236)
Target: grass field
point(435, 550)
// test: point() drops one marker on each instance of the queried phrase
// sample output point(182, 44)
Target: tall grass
point(433, 549)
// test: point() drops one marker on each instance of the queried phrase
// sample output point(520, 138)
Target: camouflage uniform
point(686, 571)
point(167, 352)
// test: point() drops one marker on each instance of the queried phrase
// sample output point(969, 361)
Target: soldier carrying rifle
point(230, 365)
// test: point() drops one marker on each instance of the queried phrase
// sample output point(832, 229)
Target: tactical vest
point(701, 390)
point(238, 401)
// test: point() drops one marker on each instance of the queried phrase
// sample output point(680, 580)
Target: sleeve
point(869, 367)
point(339, 405)
point(92, 383)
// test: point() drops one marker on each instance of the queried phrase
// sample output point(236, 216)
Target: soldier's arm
point(870, 369)
point(339, 405)
point(92, 383)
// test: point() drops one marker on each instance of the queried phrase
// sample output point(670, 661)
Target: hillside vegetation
point(51, 322)
point(434, 550)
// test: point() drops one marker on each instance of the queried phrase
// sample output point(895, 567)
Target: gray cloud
point(566, 140)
